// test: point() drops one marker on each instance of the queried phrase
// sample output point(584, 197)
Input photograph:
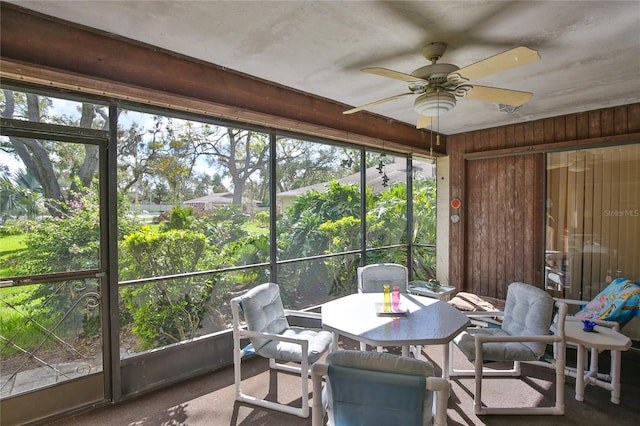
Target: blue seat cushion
point(498, 351)
point(319, 341)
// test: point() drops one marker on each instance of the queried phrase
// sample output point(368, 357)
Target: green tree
point(329, 222)
point(299, 231)
point(301, 163)
point(49, 162)
point(319, 223)
point(223, 225)
point(387, 220)
point(20, 195)
point(424, 228)
point(342, 234)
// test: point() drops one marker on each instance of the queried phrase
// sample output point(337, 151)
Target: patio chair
point(522, 337)
point(372, 278)
point(372, 388)
point(272, 337)
point(616, 305)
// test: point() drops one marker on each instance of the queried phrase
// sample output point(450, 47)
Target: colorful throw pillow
point(619, 301)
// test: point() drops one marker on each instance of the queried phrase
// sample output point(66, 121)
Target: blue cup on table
point(588, 325)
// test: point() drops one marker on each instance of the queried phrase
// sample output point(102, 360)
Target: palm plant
point(20, 195)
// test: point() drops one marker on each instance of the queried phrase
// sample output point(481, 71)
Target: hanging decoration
point(381, 171)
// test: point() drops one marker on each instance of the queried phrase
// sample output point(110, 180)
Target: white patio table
point(429, 322)
point(604, 338)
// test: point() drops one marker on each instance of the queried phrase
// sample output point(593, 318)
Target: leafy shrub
point(67, 242)
point(222, 225)
point(16, 226)
point(262, 219)
point(168, 310)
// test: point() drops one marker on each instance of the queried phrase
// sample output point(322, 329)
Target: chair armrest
point(549, 338)
point(272, 336)
point(479, 314)
point(318, 371)
point(571, 301)
point(302, 314)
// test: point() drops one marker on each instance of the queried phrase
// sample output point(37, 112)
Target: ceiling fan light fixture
point(434, 104)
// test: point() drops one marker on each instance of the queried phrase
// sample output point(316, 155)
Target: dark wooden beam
point(40, 41)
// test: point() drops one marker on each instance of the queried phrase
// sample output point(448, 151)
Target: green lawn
point(14, 302)
point(10, 246)
point(254, 229)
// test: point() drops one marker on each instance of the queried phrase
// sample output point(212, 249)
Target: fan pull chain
point(438, 124)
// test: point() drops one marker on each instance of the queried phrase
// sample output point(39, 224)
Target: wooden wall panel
point(503, 196)
point(499, 175)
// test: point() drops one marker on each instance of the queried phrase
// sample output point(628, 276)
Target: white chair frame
point(557, 340)
point(238, 353)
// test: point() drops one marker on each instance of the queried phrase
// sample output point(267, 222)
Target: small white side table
point(604, 338)
point(443, 293)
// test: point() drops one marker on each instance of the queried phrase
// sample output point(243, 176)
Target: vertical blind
point(593, 219)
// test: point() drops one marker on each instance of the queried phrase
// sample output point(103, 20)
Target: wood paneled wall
point(498, 174)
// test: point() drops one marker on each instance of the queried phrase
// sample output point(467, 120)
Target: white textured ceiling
point(590, 50)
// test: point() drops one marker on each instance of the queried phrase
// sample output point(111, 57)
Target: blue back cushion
point(366, 397)
point(371, 278)
point(263, 311)
point(528, 312)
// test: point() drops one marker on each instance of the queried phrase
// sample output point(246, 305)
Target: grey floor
point(209, 399)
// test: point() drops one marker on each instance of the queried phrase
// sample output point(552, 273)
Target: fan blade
point(499, 96)
point(424, 121)
point(501, 62)
point(378, 102)
point(397, 75)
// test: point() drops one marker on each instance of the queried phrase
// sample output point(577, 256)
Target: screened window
point(193, 203)
point(423, 231)
point(36, 108)
point(386, 178)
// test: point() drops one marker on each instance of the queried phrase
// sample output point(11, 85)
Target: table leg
point(580, 373)
point(405, 350)
point(593, 364)
point(445, 362)
point(334, 344)
point(616, 360)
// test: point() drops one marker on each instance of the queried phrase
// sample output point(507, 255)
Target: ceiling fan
point(438, 86)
